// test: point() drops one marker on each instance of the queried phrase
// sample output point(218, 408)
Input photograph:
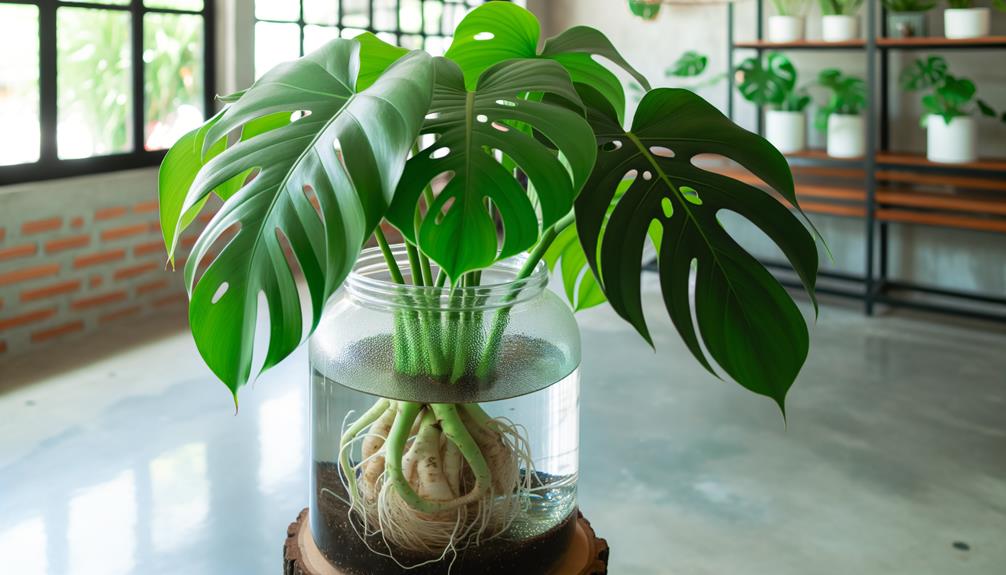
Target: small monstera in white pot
point(787, 24)
point(772, 83)
point(842, 117)
point(840, 20)
point(951, 131)
point(964, 20)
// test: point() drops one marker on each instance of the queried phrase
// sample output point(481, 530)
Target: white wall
point(952, 258)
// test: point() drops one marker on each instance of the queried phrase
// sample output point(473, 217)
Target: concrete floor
point(134, 462)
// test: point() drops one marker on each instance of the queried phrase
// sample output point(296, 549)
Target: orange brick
point(146, 248)
point(3, 234)
point(146, 207)
point(109, 213)
point(67, 243)
point(50, 290)
point(155, 227)
point(29, 273)
point(176, 299)
point(98, 258)
point(137, 270)
point(39, 226)
point(98, 300)
point(188, 241)
point(148, 287)
point(18, 252)
point(3, 346)
point(119, 314)
point(77, 222)
point(27, 318)
point(124, 231)
point(95, 281)
point(54, 332)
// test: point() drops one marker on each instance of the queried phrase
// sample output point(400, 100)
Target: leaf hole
point(500, 127)
point(668, 207)
point(299, 115)
point(507, 103)
point(442, 213)
point(432, 115)
point(662, 152)
point(312, 197)
point(691, 195)
point(221, 290)
point(483, 36)
point(440, 152)
point(631, 175)
point(647, 175)
point(482, 118)
point(612, 146)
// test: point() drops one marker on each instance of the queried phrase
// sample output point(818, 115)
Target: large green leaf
point(498, 31)
point(457, 230)
point(747, 321)
point(346, 150)
point(581, 286)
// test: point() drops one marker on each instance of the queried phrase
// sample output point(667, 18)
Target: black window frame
point(397, 31)
point(49, 166)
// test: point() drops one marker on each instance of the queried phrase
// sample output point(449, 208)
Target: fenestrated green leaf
point(766, 83)
point(375, 57)
point(689, 65)
point(346, 149)
point(747, 321)
point(498, 31)
point(582, 289)
point(457, 231)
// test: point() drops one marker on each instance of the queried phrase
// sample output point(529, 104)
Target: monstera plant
point(505, 150)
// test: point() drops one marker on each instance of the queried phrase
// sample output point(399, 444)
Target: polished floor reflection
point(134, 461)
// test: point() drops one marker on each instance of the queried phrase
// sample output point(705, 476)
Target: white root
point(437, 471)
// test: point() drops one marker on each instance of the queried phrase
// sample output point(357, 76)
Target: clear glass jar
point(445, 424)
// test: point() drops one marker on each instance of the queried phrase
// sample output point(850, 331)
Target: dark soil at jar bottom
point(338, 541)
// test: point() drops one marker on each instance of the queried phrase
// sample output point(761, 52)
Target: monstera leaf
point(766, 83)
point(498, 31)
point(457, 230)
point(747, 321)
point(344, 152)
point(688, 65)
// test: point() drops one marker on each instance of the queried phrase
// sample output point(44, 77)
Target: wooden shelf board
point(802, 45)
point(946, 220)
point(833, 209)
point(976, 183)
point(941, 42)
point(902, 159)
point(944, 202)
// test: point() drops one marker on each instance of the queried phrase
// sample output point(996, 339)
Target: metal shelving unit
point(882, 188)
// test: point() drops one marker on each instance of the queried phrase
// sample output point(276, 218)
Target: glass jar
point(445, 423)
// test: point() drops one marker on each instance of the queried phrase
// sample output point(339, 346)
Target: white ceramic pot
point(846, 136)
point(839, 28)
point(965, 22)
point(785, 28)
point(787, 131)
point(953, 143)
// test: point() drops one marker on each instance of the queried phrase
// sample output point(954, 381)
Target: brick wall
point(79, 254)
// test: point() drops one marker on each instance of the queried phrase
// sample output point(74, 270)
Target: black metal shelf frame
point(876, 287)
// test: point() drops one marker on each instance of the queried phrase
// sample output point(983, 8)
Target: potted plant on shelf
point(951, 132)
point(842, 116)
point(645, 9)
point(963, 20)
point(840, 20)
point(444, 374)
point(772, 84)
point(908, 18)
point(787, 24)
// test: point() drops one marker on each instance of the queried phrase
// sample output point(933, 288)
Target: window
point(89, 86)
point(286, 29)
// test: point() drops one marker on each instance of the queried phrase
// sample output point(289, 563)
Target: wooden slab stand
point(587, 555)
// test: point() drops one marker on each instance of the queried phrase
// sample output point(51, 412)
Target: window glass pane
point(355, 13)
point(118, 2)
point(412, 42)
point(454, 15)
point(350, 33)
point(316, 36)
point(410, 16)
point(432, 13)
point(321, 12)
point(277, 10)
point(384, 15)
point(275, 43)
point(436, 45)
point(93, 84)
point(173, 77)
point(19, 138)
point(389, 38)
point(175, 4)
